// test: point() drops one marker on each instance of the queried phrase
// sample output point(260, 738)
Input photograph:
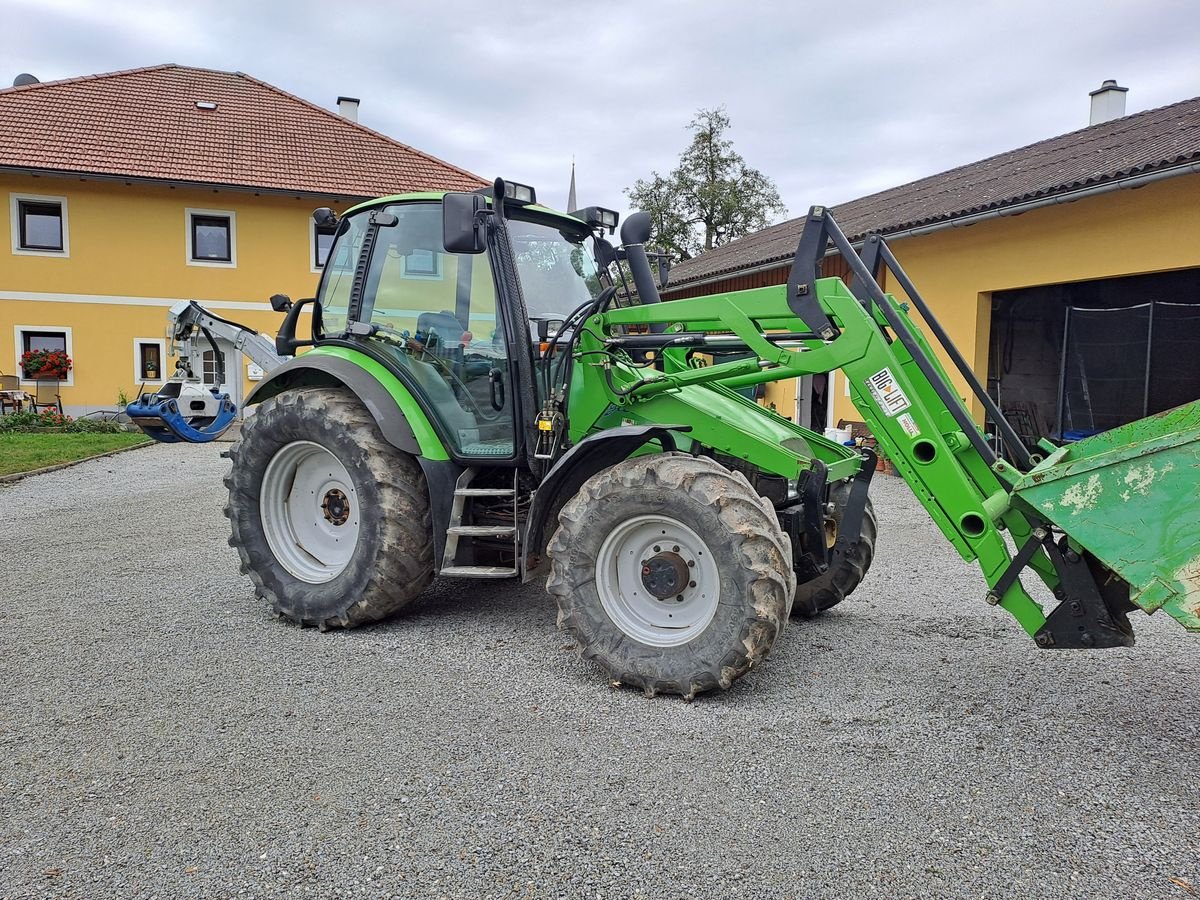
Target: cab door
point(438, 324)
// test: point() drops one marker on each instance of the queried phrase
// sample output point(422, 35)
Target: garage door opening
point(1074, 359)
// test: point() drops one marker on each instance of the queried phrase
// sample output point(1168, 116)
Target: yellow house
point(1067, 272)
point(127, 192)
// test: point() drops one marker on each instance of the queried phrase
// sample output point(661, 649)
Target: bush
point(53, 419)
point(22, 421)
point(95, 426)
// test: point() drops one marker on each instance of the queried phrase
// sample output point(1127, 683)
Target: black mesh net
point(1104, 367)
point(1175, 356)
point(1122, 364)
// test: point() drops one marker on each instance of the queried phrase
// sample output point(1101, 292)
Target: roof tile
point(144, 123)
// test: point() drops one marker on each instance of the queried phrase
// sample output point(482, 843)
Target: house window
point(211, 237)
point(43, 339)
point(422, 264)
point(39, 225)
point(208, 368)
point(149, 357)
point(322, 243)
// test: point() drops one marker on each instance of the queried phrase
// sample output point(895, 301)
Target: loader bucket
point(1131, 497)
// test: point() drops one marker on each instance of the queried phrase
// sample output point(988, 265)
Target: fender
point(577, 465)
point(401, 420)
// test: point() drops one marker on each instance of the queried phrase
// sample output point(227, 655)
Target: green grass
point(27, 451)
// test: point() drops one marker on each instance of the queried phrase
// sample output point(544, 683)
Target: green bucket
point(1131, 497)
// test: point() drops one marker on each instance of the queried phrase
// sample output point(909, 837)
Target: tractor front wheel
point(835, 584)
point(672, 573)
point(330, 520)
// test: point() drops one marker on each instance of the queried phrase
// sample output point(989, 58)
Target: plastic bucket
point(839, 435)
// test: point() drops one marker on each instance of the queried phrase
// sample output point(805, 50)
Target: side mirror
point(606, 253)
point(664, 269)
point(286, 341)
point(462, 218)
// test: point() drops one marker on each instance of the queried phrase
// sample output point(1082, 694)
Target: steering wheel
point(406, 343)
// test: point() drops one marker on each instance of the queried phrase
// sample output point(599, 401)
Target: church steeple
point(572, 204)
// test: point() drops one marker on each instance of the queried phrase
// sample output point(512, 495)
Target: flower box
point(45, 364)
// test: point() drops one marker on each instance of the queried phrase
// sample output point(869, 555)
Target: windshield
point(557, 267)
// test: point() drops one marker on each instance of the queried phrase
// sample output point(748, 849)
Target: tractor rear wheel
point(672, 573)
point(831, 588)
point(330, 520)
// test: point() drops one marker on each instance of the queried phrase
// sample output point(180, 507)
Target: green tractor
point(481, 400)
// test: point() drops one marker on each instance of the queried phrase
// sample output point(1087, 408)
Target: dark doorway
point(1087, 356)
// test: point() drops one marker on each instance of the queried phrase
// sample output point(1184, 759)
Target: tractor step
point(478, 572)
point(457, 532)
point(482, 530)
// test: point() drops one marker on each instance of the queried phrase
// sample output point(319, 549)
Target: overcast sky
point(832, 101)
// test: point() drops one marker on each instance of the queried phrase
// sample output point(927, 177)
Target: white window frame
point(19, 348)
point(14, 204)
point(187, 229)
point(312, 249)
point(423, 276)
point(137, 360)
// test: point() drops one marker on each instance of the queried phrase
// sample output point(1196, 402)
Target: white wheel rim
point(310, 512)
point(671, 547)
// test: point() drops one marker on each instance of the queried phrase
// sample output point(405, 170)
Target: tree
point(711, 197)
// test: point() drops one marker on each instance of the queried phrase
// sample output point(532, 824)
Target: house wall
point(127, 264)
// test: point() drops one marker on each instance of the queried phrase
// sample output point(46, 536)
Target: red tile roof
point(144, 123)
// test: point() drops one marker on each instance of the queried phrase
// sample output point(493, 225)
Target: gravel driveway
point(161, 734)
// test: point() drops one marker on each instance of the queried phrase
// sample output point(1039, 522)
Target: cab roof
point(437, 196)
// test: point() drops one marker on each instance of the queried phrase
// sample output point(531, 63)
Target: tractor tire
point(642, 530)
point(831, 588)
point(331, 521)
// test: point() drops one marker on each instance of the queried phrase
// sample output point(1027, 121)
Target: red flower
point(47, 363)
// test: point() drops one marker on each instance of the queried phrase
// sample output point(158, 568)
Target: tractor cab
point(465, 329)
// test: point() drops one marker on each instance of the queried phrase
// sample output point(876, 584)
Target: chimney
point(348, 107)
point(1108, 102)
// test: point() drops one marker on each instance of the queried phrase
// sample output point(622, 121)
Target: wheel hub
point(310, 511)
point(658, 580)
point(336, 507)
point(665, 575)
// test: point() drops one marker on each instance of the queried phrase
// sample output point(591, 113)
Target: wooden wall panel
point(832, 266)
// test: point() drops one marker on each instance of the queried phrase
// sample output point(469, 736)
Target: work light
point(598, 217)
point(519, 193)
